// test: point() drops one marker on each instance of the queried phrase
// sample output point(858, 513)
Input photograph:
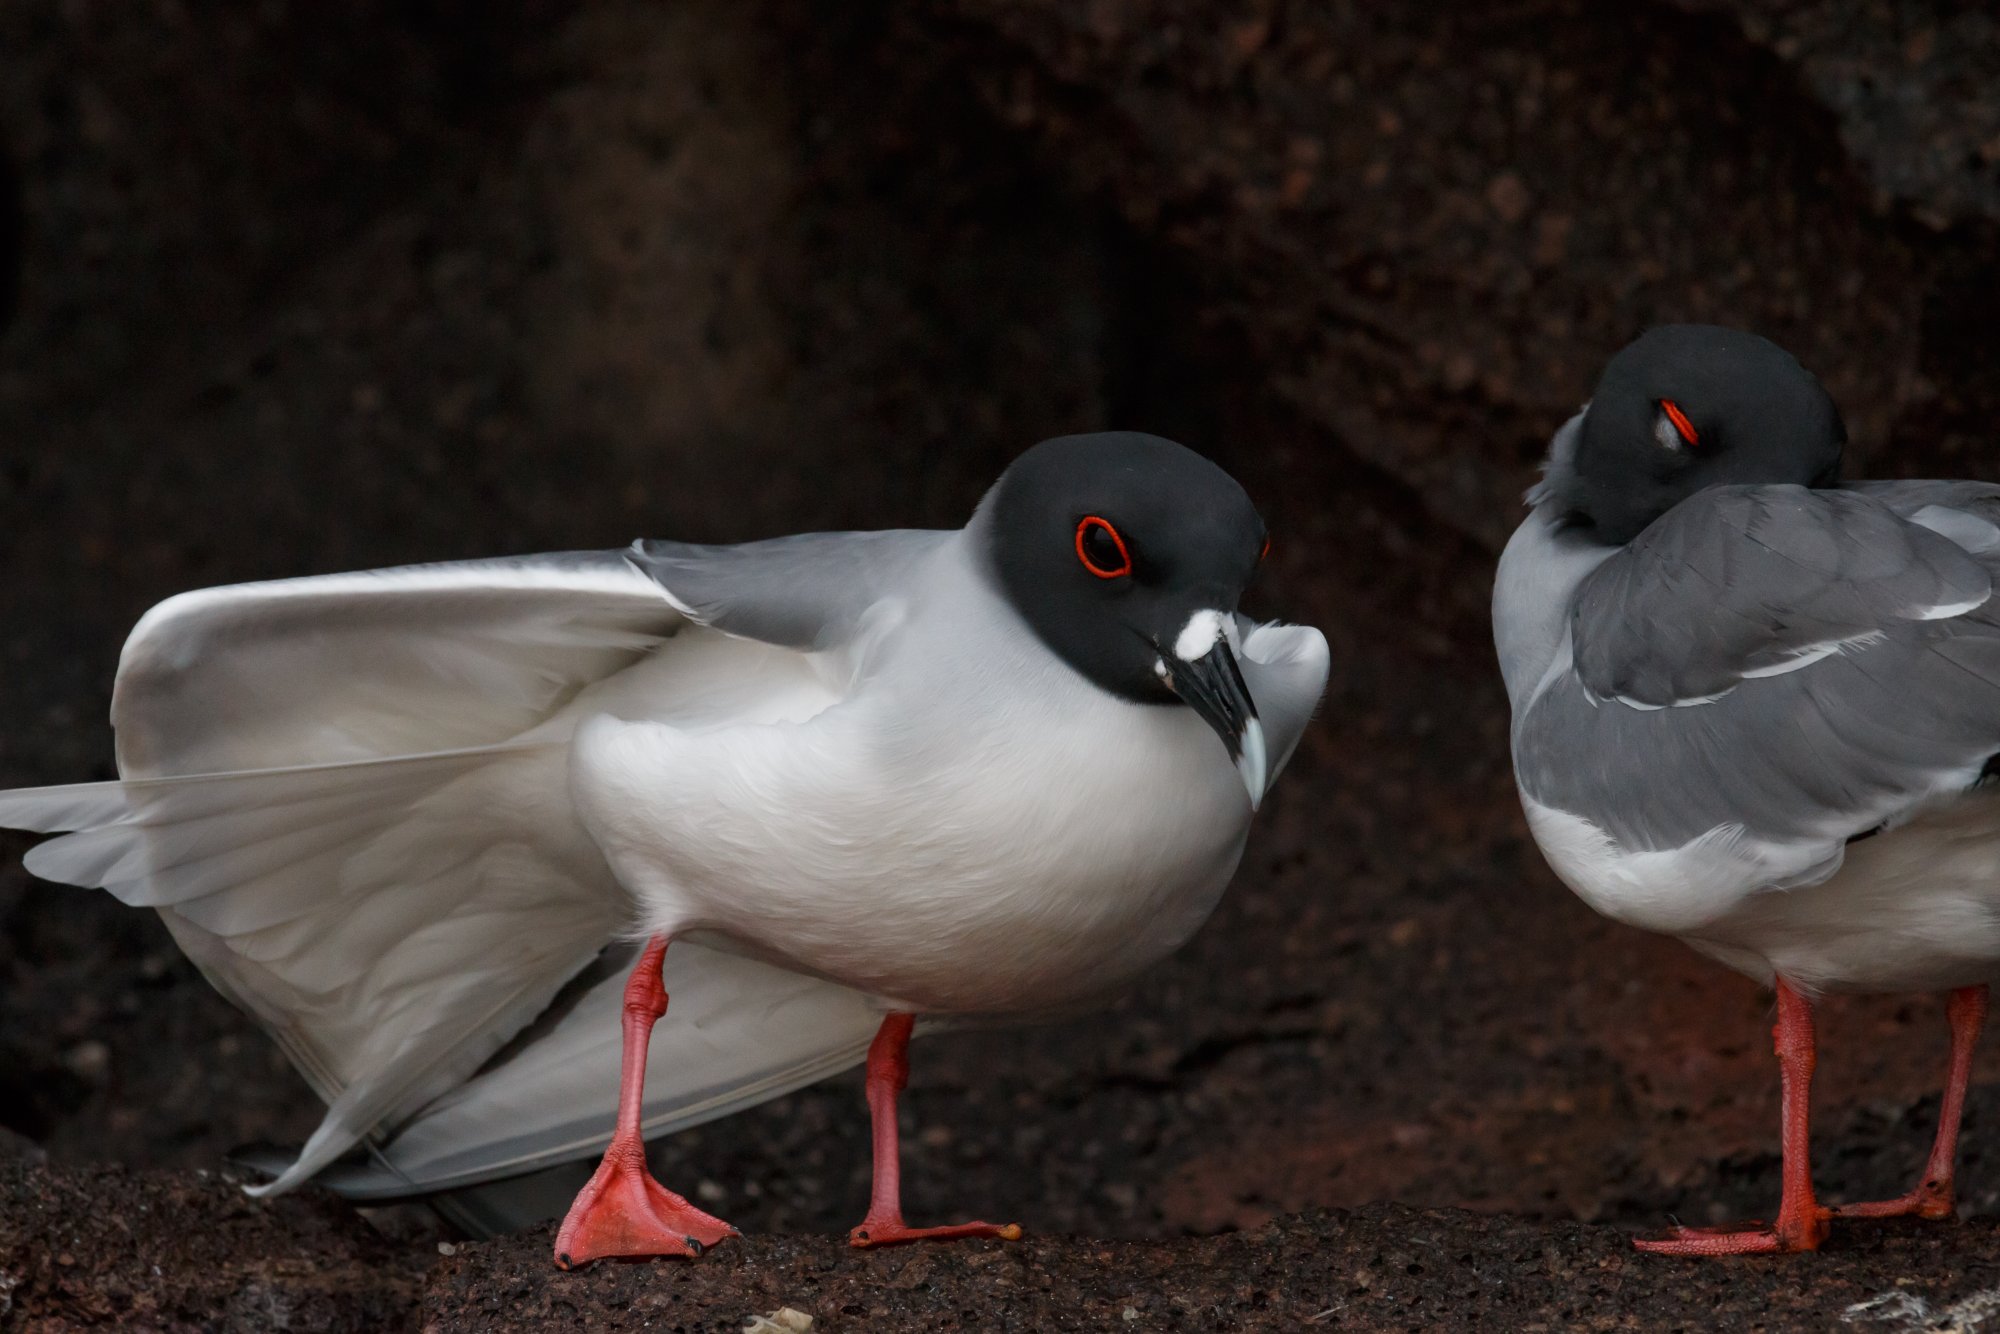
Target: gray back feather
point(1726, 607)
point(804, 592)
point(1737, 581)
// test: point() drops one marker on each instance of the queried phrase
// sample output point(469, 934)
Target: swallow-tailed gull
point(412, 819)
point(1756, 708)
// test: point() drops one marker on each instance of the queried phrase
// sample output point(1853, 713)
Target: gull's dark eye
point(1101, 549)
point(1673, 430)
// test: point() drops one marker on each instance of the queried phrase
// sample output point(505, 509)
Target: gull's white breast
point(965, 825)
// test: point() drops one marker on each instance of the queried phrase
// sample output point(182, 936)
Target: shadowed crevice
point(12, 231)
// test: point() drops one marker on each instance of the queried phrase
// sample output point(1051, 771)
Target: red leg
point(1934, 1196)
point(888, 1073)
point(1802, 1222)
point(622, 1210)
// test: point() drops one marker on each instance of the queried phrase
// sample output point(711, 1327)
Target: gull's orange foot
point(624, 1212)
point(893, 1232)
point(1742, 1239)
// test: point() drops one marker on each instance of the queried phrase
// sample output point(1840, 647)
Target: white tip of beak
point(1254, 763)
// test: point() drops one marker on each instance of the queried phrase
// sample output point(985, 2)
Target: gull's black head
point(1127, 555)
point(1689, 406)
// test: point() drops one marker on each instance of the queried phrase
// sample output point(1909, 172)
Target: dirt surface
point(186, 1251)
point(284, 292)
point(111, 1247)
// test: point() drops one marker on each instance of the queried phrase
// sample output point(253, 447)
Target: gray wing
point(1966, 512)
point(810, 591)
point(1742, 582)
point(1806, 664)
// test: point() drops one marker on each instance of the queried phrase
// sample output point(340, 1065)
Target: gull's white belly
point(1913, 909)
point(1916, 908)
point(1022, 868)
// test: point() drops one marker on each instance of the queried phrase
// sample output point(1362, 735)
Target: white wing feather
point(348, 799)
point(376, 664)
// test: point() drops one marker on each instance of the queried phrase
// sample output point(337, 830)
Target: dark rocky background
point(293, 287)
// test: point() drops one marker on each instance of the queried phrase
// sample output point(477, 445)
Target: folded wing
point(1799, 666)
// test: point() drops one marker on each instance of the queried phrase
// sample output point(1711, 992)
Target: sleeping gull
point(411, 820)
point(1755, 708)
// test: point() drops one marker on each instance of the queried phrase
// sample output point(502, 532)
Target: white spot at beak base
point(1198, 636)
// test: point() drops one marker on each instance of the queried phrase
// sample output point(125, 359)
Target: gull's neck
point(1533, 591)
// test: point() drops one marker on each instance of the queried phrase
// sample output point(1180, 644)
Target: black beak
point(1212, 685)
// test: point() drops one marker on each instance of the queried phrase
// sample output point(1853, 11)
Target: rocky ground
point(291, 288)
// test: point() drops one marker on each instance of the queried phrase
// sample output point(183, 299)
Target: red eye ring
point(1265, 554)
point(1083, 528)
point(1680, 421)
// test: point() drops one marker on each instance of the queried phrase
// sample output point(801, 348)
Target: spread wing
point(1798, 665)
point(348, 798)
point(382, 663)
point(334, 795)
